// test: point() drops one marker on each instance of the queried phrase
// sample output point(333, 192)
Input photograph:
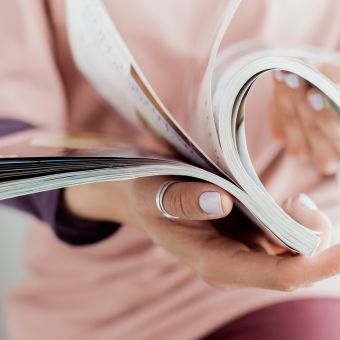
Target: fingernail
point(307, 202)
point(316, 100)
point(292, 80)
point(210, 203)
point(278, 75)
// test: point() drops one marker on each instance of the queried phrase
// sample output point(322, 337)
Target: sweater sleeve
point(32, 93)
point(47, 206)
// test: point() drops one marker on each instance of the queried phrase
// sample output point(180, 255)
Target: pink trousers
point(312, 319)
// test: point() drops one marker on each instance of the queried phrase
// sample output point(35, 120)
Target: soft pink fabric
point(126, 287)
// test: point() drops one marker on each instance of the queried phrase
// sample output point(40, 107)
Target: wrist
point(106, 201)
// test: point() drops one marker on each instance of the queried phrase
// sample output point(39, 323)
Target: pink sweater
point(125, 287)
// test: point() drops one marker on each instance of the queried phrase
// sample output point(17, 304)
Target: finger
point(336, 146)
point(302, 271)
point(295, 139)
point(276, 108)
point(325, 116)
point(276, 127)
point(303, 210)
point(323, 155)
point(289, 91)
point(281, 81)
point(284, 273)
point(297, 143)
point(197, 201)
point(322, 152)
point(327, 120)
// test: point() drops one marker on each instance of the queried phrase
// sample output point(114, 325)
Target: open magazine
point(213, 148)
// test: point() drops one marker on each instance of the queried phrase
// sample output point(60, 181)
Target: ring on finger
point(160, 199)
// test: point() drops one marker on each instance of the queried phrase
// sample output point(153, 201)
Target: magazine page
point(103, 57)
point(203, 127)
point(239, 68)
point(38, 160)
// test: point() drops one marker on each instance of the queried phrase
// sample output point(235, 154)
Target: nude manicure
point(292, 80)
point(316, 100)
point(210, 203)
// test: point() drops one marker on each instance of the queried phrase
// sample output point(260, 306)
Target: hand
point(304, 122)
point(243, 255)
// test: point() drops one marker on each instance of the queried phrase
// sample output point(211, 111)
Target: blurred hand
point(304, 122)
point(211, 237)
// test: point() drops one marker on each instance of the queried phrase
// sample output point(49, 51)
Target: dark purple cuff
point(77, 231)
point(47, 206)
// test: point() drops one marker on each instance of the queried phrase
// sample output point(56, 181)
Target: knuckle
point(178, 204)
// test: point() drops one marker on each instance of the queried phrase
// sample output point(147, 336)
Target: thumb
point(302, 209)
point(197, 201)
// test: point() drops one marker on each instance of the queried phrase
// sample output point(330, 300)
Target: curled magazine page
point(233, 87)
point(211, 139)
point(203, 125)
point(105, 59)
point(241, 75)
point(38, 160)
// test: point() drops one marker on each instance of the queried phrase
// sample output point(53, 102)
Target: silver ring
point(159, 199)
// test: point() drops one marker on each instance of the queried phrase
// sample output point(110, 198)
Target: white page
point(203, 127)
point(103, 57)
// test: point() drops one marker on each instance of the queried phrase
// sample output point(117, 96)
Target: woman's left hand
point(304, 121)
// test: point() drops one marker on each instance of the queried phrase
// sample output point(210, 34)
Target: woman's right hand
point(242, 256)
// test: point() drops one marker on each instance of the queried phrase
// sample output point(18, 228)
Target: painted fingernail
point(292, 80)
point(307, 202)
point(278, 75)
point(316, 100)
point(210, 203)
